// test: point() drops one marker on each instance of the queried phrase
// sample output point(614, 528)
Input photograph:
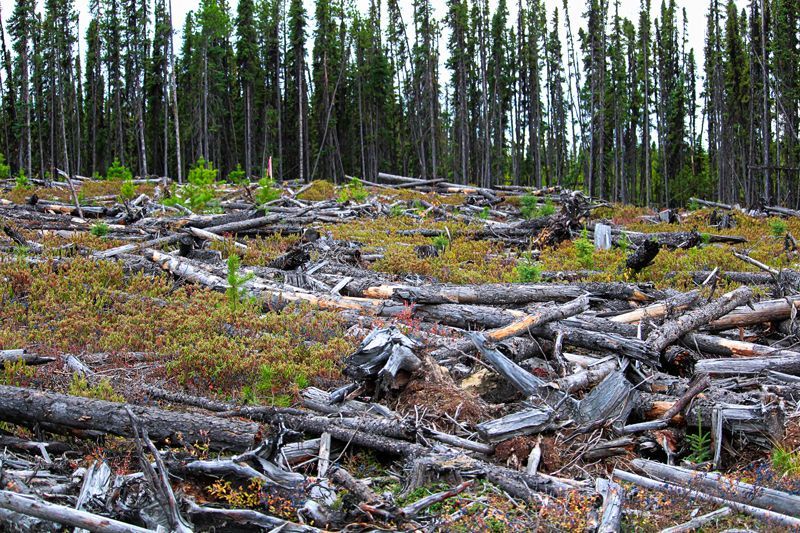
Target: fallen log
point(611, 513)
point(61, 514)
point(718, 485)
point(767, 311)
point(699, 521)
point(245, 519)
point(786, 363)
point(522, 326)
point(27, 358)
point(31, 408)
point(508, 294)
point(769, 517)
point(677, 303)
point(673, 330)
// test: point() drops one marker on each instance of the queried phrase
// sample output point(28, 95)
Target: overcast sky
point(695, 11)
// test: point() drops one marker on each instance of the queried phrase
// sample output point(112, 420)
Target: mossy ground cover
point(190, 335)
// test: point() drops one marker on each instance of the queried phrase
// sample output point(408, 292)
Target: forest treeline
point(621, 108)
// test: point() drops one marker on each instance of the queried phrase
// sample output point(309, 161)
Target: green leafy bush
point(118, 172)
point(693, 205)
point(532, 208)
point(624, 242)
point(238, 175)
point(5, 169)
point(484, 213)
point(584, 249)
point(267, 192)
point(528, 270)
point(354, 190)
point(397, 210)
point(236, 291)
point(99, 230)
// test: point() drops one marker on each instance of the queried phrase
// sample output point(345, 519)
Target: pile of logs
point(621, 372)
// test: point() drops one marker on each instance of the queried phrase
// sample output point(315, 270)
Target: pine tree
point(296, 93)
point(22, 27)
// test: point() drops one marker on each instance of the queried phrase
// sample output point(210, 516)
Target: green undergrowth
point(260, 250)
point(87, 192)
point(87, 307)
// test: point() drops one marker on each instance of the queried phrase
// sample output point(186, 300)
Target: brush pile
point(543, 390)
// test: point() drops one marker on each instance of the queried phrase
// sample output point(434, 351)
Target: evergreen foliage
point(620, 108)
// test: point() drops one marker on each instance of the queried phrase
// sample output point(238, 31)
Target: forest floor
point(132, 325)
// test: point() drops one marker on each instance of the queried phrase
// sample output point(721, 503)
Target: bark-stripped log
point(767, 311)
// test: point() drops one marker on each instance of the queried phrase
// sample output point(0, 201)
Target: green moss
point(319, 190)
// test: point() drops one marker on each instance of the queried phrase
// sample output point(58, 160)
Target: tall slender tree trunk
point(174, 91)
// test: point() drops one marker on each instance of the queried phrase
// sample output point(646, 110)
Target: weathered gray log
point(708, 203)
point(240, 470)
point(732, 348)
point(762, 424)
point(699, 521)
point(525, 422)
point(611, 513)
point(522, 380)
point(31, 407)
point(242, 520)
point(608, 341)
point(612, 399)
point(367, 432)
point(583, 379)
point(718, 485)
point(786, 363)
point(673, 330)
point(769, 517)
point(510, 293)
point(61, 514)
point(13, 356)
